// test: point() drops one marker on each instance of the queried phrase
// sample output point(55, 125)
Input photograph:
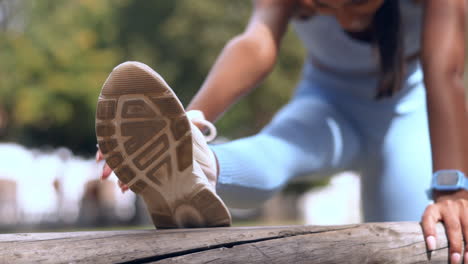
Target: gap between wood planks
point(229, 245)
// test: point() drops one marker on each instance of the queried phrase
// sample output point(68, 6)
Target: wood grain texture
point(364, 243)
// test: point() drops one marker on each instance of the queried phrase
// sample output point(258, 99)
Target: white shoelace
point(197, 117)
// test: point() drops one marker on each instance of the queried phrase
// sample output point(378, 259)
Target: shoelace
point(197, 116)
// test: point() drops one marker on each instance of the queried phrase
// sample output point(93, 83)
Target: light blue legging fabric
point(333, 124)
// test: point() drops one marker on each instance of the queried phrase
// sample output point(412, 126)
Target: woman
point(373, 67)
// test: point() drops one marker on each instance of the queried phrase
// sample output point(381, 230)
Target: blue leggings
point(334, 124)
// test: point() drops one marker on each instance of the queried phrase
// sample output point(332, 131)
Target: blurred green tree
point(55, 55)
point(53, 60)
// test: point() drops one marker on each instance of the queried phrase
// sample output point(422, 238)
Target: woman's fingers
point(99, 155)
point(453, 213)
point(429, 220)
point(106, 172)
point(451, 219)
point(464, 223)
point(123, 186)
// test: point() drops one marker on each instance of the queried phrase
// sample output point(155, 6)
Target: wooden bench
point(364, 243)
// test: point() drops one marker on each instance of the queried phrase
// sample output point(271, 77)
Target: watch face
point(447, 178)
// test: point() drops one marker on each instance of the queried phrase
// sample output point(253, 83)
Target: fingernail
point(431, 243)
point(455, 259)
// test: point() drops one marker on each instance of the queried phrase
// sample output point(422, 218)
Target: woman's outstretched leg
point(307, 137)
point(153, 148)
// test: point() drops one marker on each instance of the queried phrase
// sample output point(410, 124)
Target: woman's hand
point(107, 171)
point(452, 210)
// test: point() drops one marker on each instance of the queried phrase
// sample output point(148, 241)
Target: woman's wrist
point(440, 196)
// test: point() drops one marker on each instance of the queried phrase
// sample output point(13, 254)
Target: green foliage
point(56, 55)
point(51, 69)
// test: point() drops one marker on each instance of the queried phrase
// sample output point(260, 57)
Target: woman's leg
point(308, 136)
point(398, 166)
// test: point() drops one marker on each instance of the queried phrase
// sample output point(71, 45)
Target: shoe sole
point(145, 137)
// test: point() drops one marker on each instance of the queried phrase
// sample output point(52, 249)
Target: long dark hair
point(388, 38)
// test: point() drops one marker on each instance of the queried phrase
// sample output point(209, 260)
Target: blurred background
point(54, 57)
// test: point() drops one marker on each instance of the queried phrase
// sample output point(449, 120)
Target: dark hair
point(388, 37)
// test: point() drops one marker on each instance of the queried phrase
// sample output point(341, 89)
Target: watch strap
point(462, 185)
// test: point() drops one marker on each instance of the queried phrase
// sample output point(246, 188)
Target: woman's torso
point(330, 46)
point(342, 67)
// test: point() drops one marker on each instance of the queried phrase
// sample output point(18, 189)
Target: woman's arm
point(246, 60)
point(443, 57)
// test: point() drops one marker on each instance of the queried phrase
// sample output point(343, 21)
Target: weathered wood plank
point(365, 243)
point(371, 243)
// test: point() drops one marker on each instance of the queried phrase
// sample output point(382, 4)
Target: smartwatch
point(447, 180)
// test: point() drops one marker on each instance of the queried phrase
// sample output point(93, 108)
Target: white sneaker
point(147, 139)
point(202, 153)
